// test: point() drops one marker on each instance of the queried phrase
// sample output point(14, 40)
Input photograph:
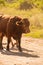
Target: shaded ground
point(32, 53)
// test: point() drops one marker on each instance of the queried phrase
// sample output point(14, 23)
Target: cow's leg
point(19, 45)
point(13, 44)
point(1, 37)
point(9, 39)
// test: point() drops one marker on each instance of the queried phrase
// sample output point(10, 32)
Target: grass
point(23, 13)
point(35, 34)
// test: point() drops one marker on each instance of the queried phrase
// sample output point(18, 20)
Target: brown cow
point(13, 27)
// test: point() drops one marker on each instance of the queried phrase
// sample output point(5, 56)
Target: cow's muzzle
point(27, 31)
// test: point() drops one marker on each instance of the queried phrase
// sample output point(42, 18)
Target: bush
point(25, 5)
point(2, 2)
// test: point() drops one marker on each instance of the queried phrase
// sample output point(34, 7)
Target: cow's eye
point(21, 23)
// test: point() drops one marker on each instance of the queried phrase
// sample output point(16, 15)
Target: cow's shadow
point(21, 54)
point(23, 49)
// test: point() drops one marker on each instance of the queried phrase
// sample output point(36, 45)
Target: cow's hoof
point(17, 46)
point(20, 50)
point(7, 49)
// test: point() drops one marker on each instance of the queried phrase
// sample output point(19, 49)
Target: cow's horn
point(17, 23)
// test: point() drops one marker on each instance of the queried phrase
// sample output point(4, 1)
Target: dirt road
point(32, 53)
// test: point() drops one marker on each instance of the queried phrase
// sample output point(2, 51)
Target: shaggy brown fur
point(13, 27)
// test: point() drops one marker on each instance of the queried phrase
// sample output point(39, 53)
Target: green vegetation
point(35, 34)
point(23, 4)
point(32, 9)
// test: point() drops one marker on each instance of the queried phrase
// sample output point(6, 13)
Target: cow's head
point(15, 20)
point(24, 24)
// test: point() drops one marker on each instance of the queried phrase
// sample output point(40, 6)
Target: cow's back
point(3, 23)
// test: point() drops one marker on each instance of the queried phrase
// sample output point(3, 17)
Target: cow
point(13, 27)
